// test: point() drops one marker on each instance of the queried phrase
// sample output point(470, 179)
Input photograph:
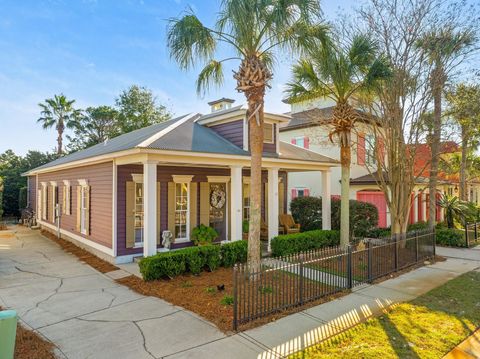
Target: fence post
point(235, 299)
point(396, 252)
point(475, 230)
point(466, 234)
point(369, 261)
point(349, 267)
point(301, 280)
point(416, 246)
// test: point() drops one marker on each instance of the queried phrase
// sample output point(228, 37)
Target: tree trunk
point(256, 150)
point(60, 129)
point(463, 166)
point(437, 87)
point(345, 154)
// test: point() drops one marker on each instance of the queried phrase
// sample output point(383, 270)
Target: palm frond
point(212, 74)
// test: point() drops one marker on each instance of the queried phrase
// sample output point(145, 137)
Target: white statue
point(167, 239)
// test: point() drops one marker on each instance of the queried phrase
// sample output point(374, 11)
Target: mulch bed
point(29, 344)
point(85, 256)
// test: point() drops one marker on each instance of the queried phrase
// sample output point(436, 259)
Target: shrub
point(234, 252)
point(307, 211)
point(203, 235)
point(298, 242)
point(211, 255)
point(378, 233)
point(194, 260)
point(227, 300)
point(245, 226)
point(162, 265)
point(419, 226)
point(450, 237)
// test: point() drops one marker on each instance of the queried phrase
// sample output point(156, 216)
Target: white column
point(272, 204)
point(149, 208)
point(415, 206)
point(326, 201)
point(424, 206)
point(236, 200)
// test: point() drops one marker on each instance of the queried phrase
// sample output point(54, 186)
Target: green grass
point(427, 327)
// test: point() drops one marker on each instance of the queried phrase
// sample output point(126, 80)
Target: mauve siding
point(32, 193)
point(100, 179)
point(232, 131)
point(271, 147)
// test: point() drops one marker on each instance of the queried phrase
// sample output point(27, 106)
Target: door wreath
point(217, 198)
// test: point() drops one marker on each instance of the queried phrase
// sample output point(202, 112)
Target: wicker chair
point(288, 223)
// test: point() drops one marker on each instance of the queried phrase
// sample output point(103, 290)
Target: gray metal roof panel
point(289, 151)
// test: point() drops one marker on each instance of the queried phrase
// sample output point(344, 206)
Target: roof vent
point(222, 104)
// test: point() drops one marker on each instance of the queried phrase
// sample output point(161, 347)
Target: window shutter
point(361, 149)
point(64, 199)
point(266, 202)
point(171, 208)
point(39, 204)
point(79, 199)
point(306, 192)
point(159, 236)
point(294, 141)
point(204, 203)
point(306, 142)
point(193, 205)
point(87, 214)
point(130, 214)
point(294, 193)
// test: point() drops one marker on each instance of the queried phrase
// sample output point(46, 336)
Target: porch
point(153, 196)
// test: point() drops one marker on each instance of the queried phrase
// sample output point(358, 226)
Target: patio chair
point(288, 223)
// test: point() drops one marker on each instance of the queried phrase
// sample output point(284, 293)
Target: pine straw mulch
point(85, 256)
point(29, 344)
point(200, 295)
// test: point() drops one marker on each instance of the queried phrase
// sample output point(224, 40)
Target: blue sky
point(91, 50)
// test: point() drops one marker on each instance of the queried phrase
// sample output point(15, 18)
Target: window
point(84, 199)
point(268, 135)
point(370, 150)
point(138, 215)
point(301, 141)
point(181, 209)
point(44, 201)
point(300, 192)
point(246, 201)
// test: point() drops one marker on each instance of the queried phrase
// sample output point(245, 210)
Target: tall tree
point(137, 107)
point(464, 107)
point(58, 112)
point(445, 47)
point(340, 73)
point(97, 125)
point(253, 30)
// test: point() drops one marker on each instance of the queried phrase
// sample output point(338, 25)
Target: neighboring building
point(118, 197)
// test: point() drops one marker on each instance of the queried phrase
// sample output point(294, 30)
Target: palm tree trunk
point(60, 129)
point(345, 158)
point(463, 166)
point(256, 151)
point(437, 88)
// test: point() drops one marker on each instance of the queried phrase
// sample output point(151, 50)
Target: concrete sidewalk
point(87, 314)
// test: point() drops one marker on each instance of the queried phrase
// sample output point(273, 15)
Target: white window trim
point(83, 227)
point(187, 238)
point(218, 179)
point(273, 133)
point(44, 203)
point(137, 177)
point(182, 178)
point(67, 199)
point(83, 182)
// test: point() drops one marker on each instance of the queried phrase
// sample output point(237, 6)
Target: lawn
point(427, 327)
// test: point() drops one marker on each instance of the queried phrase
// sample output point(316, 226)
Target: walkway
point(87, 314)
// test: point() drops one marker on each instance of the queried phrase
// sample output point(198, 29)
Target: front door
point(218, 213)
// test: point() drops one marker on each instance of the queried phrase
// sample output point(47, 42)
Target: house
point(308, 129)
point(118, 197)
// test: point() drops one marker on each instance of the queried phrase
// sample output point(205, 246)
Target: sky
point(91, 50)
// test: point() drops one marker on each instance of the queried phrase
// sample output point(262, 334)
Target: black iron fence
point(285, 282)
point(472, 234)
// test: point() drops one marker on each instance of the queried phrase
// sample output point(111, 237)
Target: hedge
point(307, 211)
point(298, 242)
point(450, 237)
point(192, 260)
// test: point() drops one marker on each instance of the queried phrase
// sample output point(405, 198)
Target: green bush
point(419, 226)
point(234, 252)
point(211, 255)
point(378, 233)
point(163, 265)
point(203, 235)
point(450, 237)
point(245, 226)
point(194, 260)
point(298, 242)
point(307, 211)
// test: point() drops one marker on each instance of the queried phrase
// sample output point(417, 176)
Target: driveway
point(88, 315)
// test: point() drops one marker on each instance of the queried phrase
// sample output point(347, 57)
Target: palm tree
point(443, 47)
point(253, 30)
point(58, 112)
point(454, 208)
point(340, 73)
